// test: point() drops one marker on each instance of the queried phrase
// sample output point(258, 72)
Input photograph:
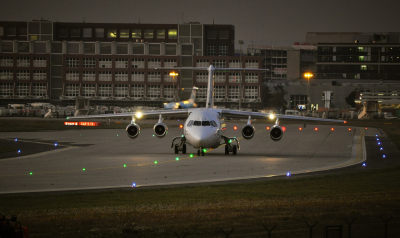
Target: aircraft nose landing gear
point(201, 150)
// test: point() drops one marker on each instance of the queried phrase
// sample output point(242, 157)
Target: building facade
point(114, 64)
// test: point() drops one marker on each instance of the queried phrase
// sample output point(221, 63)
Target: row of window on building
point(123, 91)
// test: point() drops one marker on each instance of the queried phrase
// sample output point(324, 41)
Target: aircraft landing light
point(271, 116)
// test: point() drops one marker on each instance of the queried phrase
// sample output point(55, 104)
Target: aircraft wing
point(138, 114)
point(260, 115)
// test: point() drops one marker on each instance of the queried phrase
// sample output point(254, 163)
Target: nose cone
point(202, 138)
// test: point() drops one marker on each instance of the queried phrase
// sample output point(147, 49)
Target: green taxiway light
point(191, 155)
point(177, 159)
point(124, 165)
point(155, 162)
point(67, 118)
point(83, 169)
point(204, 150)
point(30, 173)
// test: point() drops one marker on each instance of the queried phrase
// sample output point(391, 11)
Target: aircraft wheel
point(202, 152)
point(226, 149)
point(184, 149)
point(198, 152)
point(234, 149)
point(176, 149)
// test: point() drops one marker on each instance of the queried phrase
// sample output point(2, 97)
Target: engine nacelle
point(160, 129)
point(248, 131)
point(276, 133)
point(133, 130)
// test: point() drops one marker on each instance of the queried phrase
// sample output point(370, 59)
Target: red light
point(300, 128)
point(316, 128)
point(366, 128)
point(235, 127)
point(267, 127)
point(181, 126)
point(332, 129)
point(283, 128)
point(345, 122)
point(349, 129)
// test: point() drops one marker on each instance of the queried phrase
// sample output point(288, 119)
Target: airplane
point(183, 104)
point(204, 127)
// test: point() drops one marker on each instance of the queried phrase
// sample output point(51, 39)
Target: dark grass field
point(246, 209)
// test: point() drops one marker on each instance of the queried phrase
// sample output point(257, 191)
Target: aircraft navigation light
point(288, 174)
point(271, 116)
point(139, 114)
point(133, 185)
point(176, 158)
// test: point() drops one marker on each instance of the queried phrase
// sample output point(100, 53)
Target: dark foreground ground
point(322, 204)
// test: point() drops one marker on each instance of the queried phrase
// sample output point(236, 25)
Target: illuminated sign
point(81, 123)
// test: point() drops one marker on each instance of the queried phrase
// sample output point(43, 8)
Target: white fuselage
point(202, 128)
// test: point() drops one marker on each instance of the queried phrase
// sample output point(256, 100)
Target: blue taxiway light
point(55, 144)
point(381, 148)
point(19, 151)
point(383, 156)
point(288, 174)
point(364, 164)
point(379, 143)
point(16, 139)
point(133, 185)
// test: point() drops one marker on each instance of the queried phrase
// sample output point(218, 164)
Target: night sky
point(273, 22)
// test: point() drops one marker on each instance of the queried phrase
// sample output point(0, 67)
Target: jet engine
point(160, 129)
point(276, 133)
point(248, 131)
point(133, 130)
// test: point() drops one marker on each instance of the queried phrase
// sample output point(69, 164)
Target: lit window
point(363, 67)
point(160, 34)
point(111, 33)
point(124, 33)
point(148, 33)
point(172, 33)
point(361, 58)
point(136, 33)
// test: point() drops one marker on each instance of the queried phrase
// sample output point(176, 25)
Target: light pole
point(173, 74)
point(308, 75)
point(241, 42)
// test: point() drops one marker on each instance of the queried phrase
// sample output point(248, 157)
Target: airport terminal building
point(113, 64)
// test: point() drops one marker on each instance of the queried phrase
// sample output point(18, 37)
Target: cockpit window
point(213, 123)
point(197, 123)
point(205, 123)
point(190, 123)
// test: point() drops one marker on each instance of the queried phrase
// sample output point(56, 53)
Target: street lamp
point(308, 75)
point(173, 74)
point(241, 42)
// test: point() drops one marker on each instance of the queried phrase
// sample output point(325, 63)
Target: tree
point(265, 95)
point(278, 97)
point(350, 99)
